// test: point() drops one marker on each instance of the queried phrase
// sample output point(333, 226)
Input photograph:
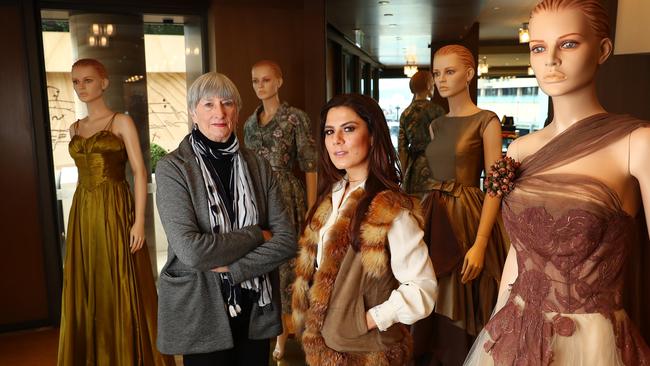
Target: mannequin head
point(569, 40)
point(453, 69)
point(421, 82)
point(89, 79)
point(267, 79)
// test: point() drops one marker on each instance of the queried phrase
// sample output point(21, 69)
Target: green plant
point(156, 152)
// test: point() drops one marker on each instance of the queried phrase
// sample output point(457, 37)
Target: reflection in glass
point(172, 58)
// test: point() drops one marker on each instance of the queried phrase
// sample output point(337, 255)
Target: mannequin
point(582, 180)
point(282, 135)
point(414, 136)
point(466, 241)
point(109, 297)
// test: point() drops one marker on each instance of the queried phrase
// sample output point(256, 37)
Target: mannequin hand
point(474, 260)
point(136, 236)
point(220, 269)
point(370, 322)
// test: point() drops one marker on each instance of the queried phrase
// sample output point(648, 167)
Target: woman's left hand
point(370, 321)
point(474, 260)
point(137, 237)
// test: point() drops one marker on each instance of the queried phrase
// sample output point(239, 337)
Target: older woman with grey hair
point(228, 232)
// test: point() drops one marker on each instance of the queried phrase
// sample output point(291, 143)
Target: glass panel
point(519, 102)
point(394, 96)
point(151, 59)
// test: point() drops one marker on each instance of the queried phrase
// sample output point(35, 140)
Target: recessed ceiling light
point(516, 58)
point(496, 8)
point(388, 15)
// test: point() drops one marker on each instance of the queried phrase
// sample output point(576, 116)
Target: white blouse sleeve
point(415, 297)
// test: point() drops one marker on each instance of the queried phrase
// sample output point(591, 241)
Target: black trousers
point(247, 352)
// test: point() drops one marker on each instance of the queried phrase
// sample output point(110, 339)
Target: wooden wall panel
point(22, 276)
point(290, 32)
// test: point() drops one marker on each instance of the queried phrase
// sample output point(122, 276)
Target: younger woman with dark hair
point(363, 269)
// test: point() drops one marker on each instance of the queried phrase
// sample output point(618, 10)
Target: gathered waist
point(451, 187)
point(93, 181)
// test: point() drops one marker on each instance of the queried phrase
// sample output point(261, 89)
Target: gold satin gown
point(109, 297)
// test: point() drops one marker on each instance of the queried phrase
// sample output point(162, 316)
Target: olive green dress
point(109, 297)
point(413, 140)
point(452, 214)
point(285, 141)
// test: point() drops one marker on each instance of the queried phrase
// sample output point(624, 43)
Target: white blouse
point(415, 297)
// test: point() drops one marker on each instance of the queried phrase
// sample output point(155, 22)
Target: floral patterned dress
point(413, 140)
point(284, 141)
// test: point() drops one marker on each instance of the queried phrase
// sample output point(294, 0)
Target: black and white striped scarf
point(244, 209)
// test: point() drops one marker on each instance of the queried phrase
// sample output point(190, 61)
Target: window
point(150, 60)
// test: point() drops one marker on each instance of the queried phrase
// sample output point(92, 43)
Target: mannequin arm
point(639, 167)
point(125, 128)
point(475, 257)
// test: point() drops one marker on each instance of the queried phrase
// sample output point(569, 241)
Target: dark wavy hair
point(384, 172)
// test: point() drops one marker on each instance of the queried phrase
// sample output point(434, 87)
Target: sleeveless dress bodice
point(99, 158)
point(456, 151)
point(570, 251)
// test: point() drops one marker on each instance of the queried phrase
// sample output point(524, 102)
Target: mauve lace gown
point(572, 240)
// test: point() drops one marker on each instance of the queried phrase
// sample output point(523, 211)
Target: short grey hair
point(212, 84)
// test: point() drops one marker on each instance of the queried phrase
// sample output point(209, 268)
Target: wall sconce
point(483, 67)
point(359, 37)
point(524, 36)
point(531, 72)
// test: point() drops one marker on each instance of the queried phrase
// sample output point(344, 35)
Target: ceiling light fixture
point(384, 2)
point(531, 72)
point(100, 34)
point(388, 15)
point(411, 66)
point(524, 36)
point(410, 70)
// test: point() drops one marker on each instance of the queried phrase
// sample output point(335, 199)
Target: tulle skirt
point(596, 340)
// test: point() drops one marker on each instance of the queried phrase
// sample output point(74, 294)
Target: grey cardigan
point(192, 317)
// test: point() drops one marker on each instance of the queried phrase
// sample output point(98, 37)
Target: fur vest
point(330, 303)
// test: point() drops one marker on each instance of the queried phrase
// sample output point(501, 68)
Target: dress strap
point(76, 127)
point(110, 123)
